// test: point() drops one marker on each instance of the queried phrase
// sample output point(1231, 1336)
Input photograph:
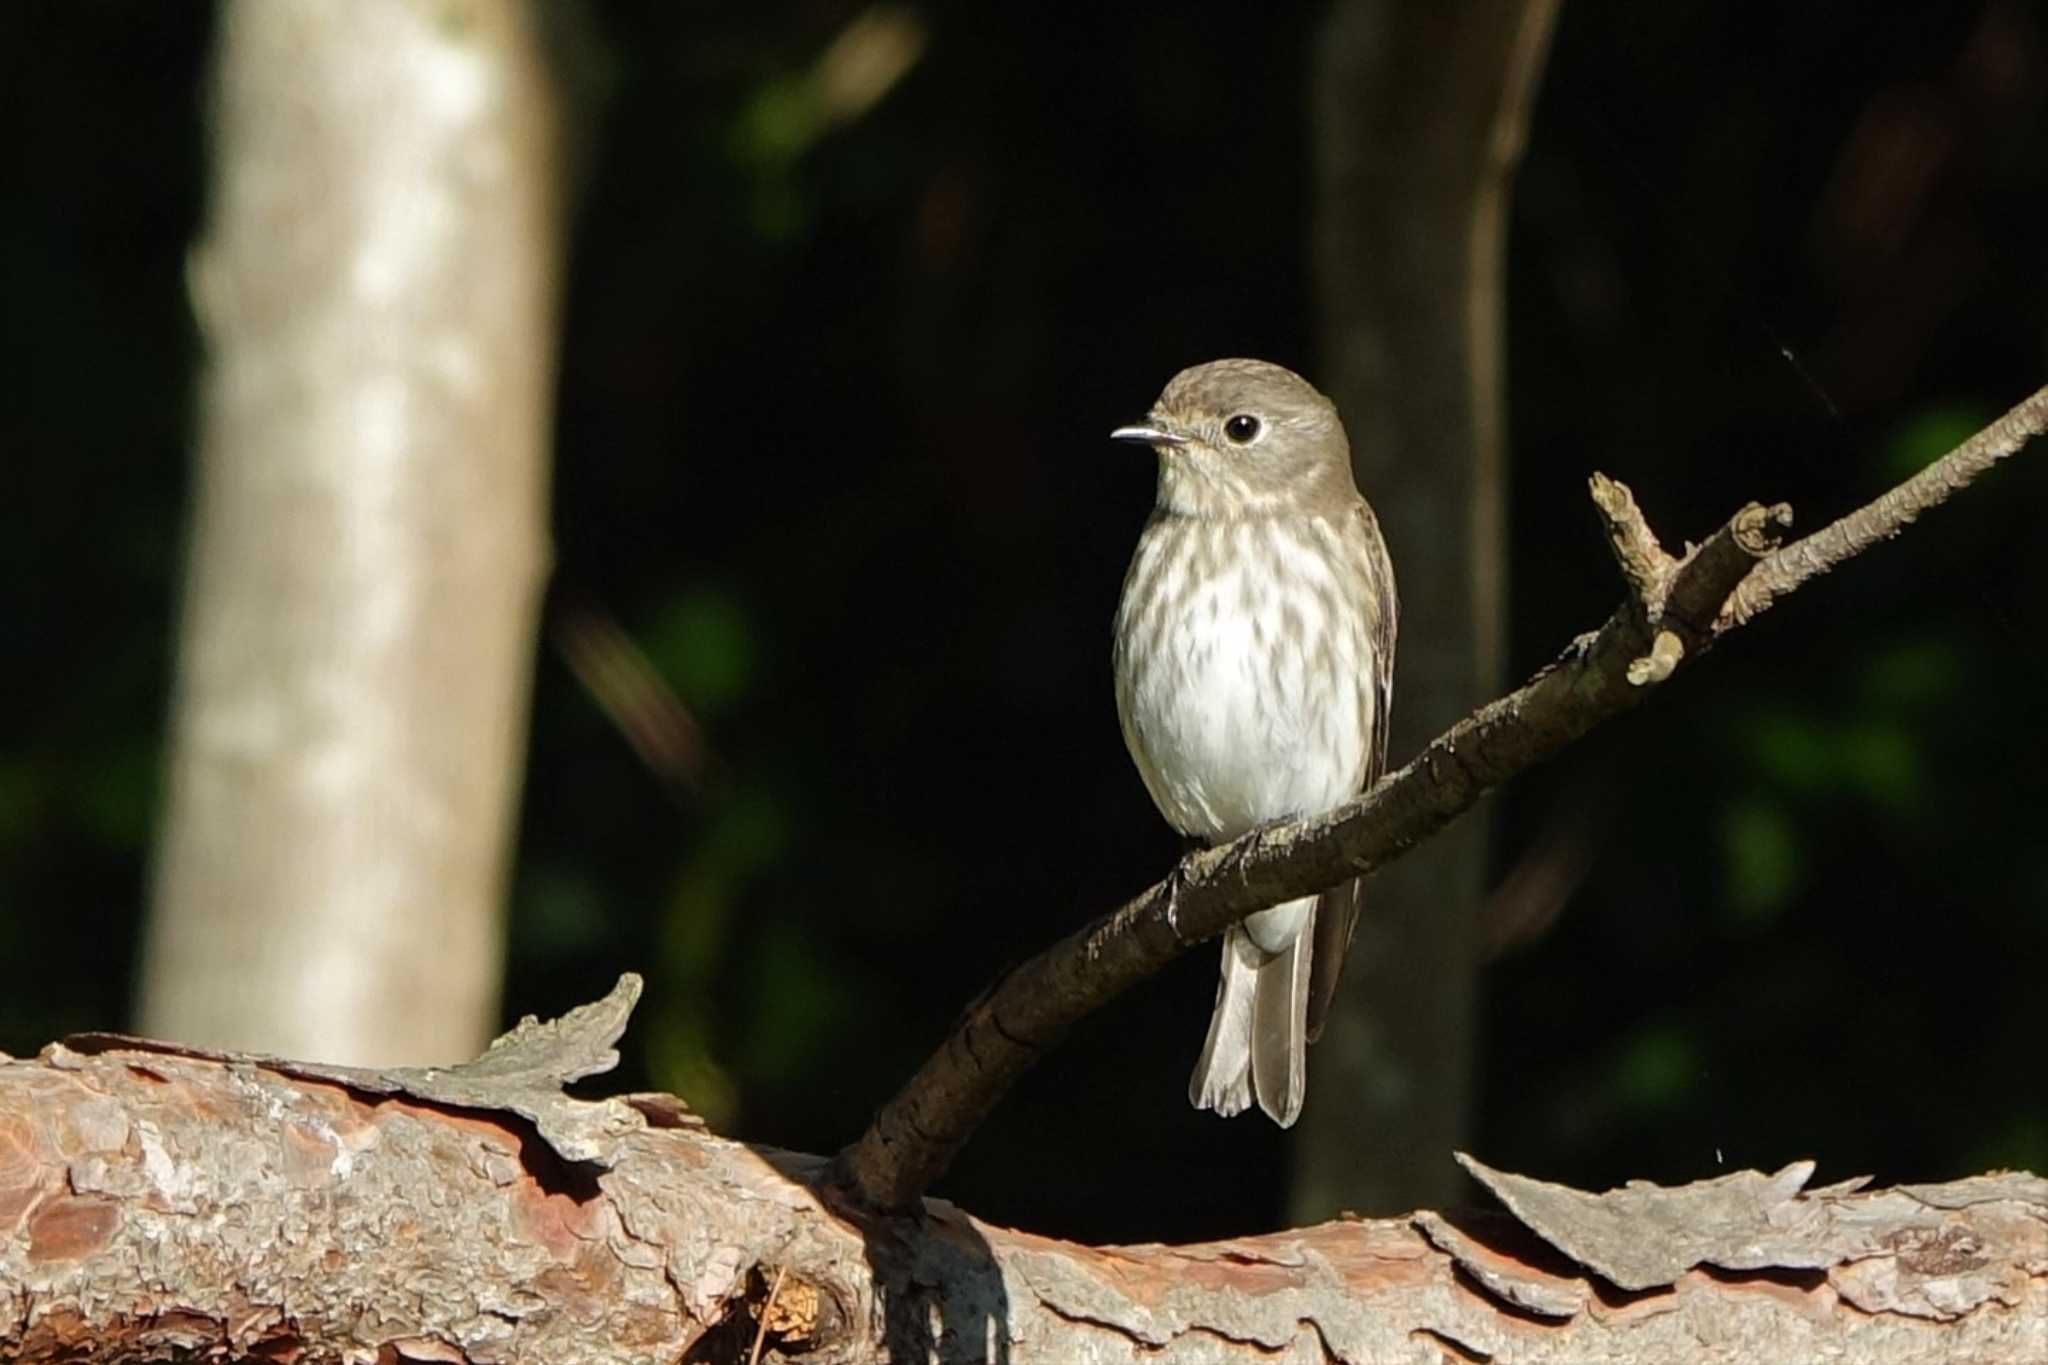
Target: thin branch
point(767, 1309)
point(1748, 537)
point(1642, 561)
point(1784, 571)
point(1005, 1030)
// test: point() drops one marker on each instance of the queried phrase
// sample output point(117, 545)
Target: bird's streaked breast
point(1243, 670)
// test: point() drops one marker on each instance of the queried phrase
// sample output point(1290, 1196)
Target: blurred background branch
point(624, 683)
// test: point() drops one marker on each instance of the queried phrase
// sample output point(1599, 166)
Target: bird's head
point(1239, 438)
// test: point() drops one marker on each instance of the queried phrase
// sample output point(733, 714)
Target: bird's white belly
point(1250, 708)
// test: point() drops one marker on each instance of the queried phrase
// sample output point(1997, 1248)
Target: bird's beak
point(1150, 436)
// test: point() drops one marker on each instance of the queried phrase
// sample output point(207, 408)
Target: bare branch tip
point(1613, 498)
point(1637, 553)
point(1759, 529)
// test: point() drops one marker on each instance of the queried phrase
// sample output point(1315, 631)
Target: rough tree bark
point(1413, 174)
point(156, 1202)
point(377, 289)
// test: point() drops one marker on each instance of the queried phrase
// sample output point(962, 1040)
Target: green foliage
point(779, 124)
point(1912, 676)
point(1929, 434)
point(1656, 1069)
point(701, 947)
point(796, 999)
point(703, 642)
point(1761, 847)
point(1872, 746)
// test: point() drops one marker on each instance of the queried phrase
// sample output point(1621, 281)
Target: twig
point(1642, 561)
point(915, 1135)
point(761, 1327)
point(1784, 571)
point(1750, 535)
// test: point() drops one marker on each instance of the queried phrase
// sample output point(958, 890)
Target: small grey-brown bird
point(1254, 661)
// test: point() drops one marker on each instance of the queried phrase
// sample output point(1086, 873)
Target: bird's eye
point(1242, 429)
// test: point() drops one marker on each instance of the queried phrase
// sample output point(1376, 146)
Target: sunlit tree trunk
point(1418, 112)
point(376, 286)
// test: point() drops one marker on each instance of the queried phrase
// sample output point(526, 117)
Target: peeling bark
point(156, 1200)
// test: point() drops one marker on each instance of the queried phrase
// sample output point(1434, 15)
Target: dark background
point(831, 444)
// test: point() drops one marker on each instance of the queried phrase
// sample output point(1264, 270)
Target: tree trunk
point(377, 289)
point(159, 1203)
point(1418, 112)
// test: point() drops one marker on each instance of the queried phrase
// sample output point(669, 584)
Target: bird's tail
point(1280, 1030)
point(1258, 1035)
point(1223, 1075)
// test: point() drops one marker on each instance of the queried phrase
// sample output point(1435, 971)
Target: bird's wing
point(1336, 919)
point(1337, 912)
point(1386, 620)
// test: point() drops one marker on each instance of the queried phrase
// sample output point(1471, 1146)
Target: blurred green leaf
point(798, 1000)
point(1930, 434)
point(1792, 749)
point(1764, 865)
point(779, 124)
point(783, 120)
point(1817, 756)
point(748, 831)
point(704, 643)
point(1913, 673)
point(1882, 763)
point(1655, 1068)
point(680, 1059)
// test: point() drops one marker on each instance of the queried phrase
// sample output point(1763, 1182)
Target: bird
point(1253, 657)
